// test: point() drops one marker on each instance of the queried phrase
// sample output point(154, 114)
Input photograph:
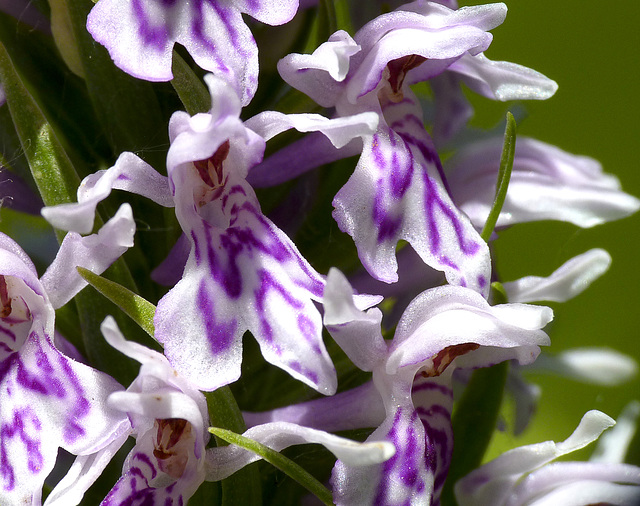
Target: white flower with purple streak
point(49, 400)
point(140, 35)
point(242, 272)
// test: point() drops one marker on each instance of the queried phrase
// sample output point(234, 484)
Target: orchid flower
point(242, 273)
point(397, 190)
point(546, 184)
point(169, 421)
point(140, 35)
point(411, 397)
point(526, 475)
point(48, 399)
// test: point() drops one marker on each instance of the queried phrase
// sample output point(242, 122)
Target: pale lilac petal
point(340, 131)
point(313, 150)
point(579, 483)
point(613, 445)
point(546, 184)
point(168, 418)
point(396, 192)
point(449, 316)
point(270, 12)
point(526, 396)
point(130, 173)
point(224, 461)
point(84, 471)
point(143, 481)
point(356, 332)
point(352, 409)
point(493, 482)
point(95, 252)
point(503, 80)
point(169, 272)
point(320, 74)
point(452, 109)
point(598, 366)
point(566, 282)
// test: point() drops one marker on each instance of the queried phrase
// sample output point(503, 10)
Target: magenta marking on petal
point(268, 283)
point(81, 406)
point(16, 428)
point(154, 36)
point(309, 332)
point(196, 248)
point(144, 458)
point(220, 335)
point(307, 373)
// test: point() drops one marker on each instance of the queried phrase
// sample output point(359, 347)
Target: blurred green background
point(589, 48)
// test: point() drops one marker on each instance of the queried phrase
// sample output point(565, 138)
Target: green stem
point(504, 176)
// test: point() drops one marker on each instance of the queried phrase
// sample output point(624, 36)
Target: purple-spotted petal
point(566, 282)
point(249, 276)
point(129, 173)
point(396, 192)
point(49, 401)
point(140, 35)
point(95, 252)
point(408, 476)
point(546, 184)
point(224, 461)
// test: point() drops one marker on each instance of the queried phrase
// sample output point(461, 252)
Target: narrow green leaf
point(138, 309)
point(52, 170)
point(474, 421)
point(343, 18)
point(504, 176)
point(279, 461)
point(192, 91)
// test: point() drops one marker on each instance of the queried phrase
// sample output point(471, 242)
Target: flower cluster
point(385, 318)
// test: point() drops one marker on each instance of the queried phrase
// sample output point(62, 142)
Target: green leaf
point(504, 176)
point(192, 91)
point(137, 308)
point(474, 421)
point(52, 170)
point(278, 460)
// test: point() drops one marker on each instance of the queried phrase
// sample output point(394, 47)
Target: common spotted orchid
point(411, 397)
point(140, 35)
point(398, 190)
point(169, 420)
point(242, 272)
point(49, 400)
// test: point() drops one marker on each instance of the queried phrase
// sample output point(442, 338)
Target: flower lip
point(172, 444)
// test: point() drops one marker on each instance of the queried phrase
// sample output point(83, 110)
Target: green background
point(590, 49)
